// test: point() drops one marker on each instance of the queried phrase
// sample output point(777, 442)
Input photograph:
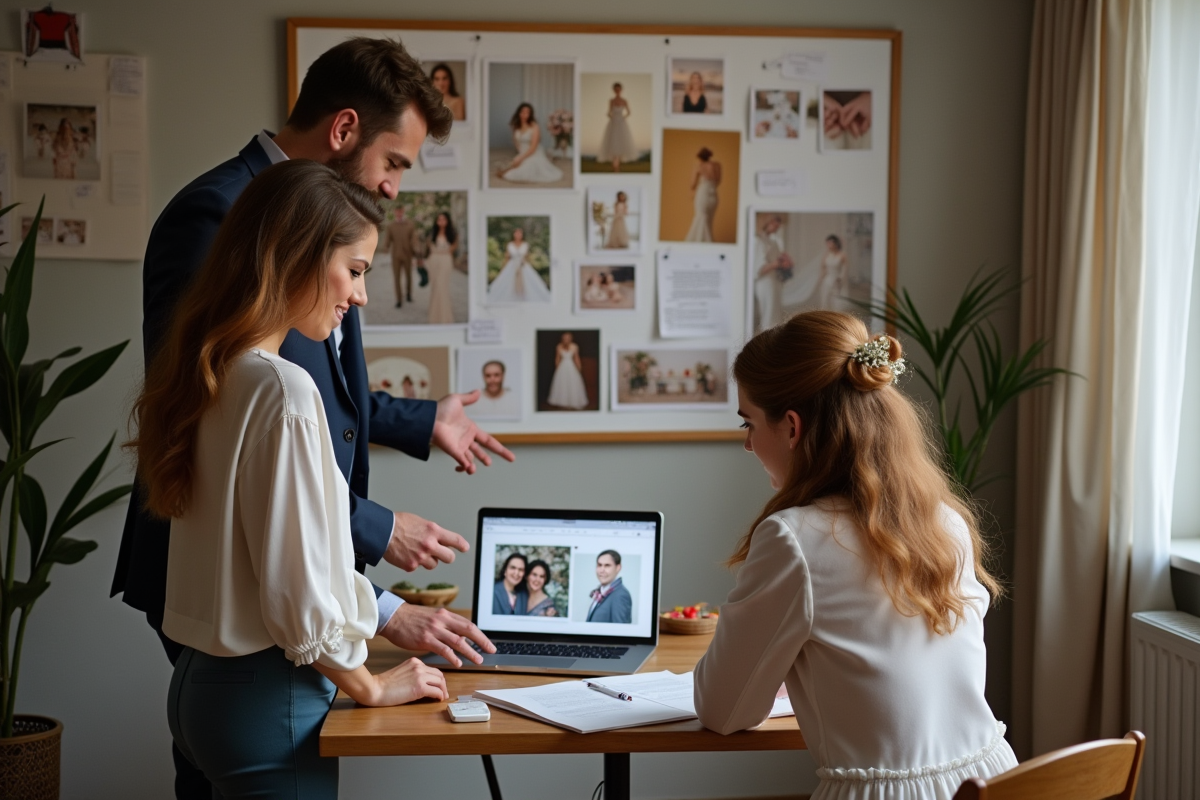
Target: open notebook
point(657, 697)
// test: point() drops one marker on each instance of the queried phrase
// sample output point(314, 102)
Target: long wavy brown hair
point(267, 269)
point(864, 441)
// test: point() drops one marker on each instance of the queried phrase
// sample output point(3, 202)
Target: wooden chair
point(1088, 771)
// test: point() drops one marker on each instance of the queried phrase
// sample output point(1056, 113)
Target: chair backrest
point(1089, 771)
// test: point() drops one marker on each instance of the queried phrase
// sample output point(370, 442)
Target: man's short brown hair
point(379, 80)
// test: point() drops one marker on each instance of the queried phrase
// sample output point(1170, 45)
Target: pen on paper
point(608, 691)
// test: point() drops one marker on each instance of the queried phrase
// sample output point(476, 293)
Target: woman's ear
point(793, 426)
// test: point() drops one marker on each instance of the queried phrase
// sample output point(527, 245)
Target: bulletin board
point(94, 184)
point(799, 177)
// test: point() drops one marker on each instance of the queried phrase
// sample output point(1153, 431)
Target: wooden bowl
point(687, 626)
point(428, 597)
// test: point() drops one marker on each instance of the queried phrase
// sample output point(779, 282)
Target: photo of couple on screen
point(535, 581)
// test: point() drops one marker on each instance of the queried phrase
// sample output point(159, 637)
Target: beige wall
point(216, 76)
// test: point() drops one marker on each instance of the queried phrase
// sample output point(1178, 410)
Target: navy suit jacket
point(178, 245)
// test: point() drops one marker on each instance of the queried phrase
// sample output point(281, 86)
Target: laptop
point(594, 580)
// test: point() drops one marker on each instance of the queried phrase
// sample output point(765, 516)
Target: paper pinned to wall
point(694, 295)
point(128, 181)
point(485, 331)
point(126, 76)
point(779, 182)
point(809, 67)
point(439, 156)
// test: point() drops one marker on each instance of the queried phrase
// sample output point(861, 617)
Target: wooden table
point(424, 728)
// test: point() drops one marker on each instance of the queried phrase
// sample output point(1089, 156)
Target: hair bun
point(876, 363)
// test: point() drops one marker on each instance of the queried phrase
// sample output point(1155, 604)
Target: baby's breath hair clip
point(874, 353)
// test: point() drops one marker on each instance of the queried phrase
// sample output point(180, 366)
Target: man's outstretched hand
point(420, 629)
point(417, 542)
point(461, 439)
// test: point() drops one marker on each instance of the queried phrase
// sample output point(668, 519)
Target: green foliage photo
point(558, 588)
point(25, 405)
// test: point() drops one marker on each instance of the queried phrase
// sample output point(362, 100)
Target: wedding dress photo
point(537, 168)
point(440, 265)
point(705, 206)
point(567, 389)
point(617, 142)
point(518, 282)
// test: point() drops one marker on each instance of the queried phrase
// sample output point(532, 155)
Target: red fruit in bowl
point(689, 612)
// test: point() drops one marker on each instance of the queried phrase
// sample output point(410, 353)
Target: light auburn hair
point(865, 442)
point(267, 268)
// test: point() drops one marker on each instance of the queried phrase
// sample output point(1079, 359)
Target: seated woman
point(540, 604)
point(233, 446)
point(510, 594)
point(862, 587)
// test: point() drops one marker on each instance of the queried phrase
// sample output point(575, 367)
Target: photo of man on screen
point(610, 600)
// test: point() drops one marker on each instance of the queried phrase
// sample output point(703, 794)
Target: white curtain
point(548, 87)
point(1111, 201)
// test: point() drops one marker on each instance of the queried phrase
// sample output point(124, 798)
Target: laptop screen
point(575, 574)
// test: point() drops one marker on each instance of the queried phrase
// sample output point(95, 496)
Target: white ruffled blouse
point(889, 710)
point(263, 556)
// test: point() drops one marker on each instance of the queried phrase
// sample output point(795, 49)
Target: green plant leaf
point(23, 594)
point(81, 488)
point(33, 514)
point(73, 380)
point(70, 551)
point(13, 464)
point(30, 379)
point(18, 289)
point(96, 504)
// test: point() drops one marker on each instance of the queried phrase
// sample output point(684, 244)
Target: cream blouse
point(889, 710)
point(263, 556)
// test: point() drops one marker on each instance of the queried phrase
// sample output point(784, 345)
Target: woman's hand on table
point(404, 683)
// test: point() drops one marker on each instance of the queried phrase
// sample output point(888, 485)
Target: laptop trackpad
point(548, 662)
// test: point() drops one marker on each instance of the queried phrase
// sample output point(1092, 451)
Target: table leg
point(616, 776)
point(489, 769)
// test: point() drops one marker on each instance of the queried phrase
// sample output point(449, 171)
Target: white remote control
point(468, 709)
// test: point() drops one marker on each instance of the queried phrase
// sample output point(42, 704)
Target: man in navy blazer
point(364, 109)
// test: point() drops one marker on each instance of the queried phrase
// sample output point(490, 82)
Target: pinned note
point(779, 182)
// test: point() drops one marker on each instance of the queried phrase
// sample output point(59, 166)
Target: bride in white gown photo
point(706, 177)
point(617, 144)
point(518, 281)
point(531, 164)
point(567, 389)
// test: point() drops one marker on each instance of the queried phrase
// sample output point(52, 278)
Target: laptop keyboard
point(562, 650)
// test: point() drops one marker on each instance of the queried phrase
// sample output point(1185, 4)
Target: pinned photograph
point(421, 373)
point(45, 234)
point(607, 587)
point(700, 177)
point(60, 142)
point(532, 580)
point(568, 370)
point(775, 115)
point(498, 375)
point(605, 286)
point(614, 219)
point(450, 76)
point(50, 35)
point(800, 261)
point(518, 260)
point(665, 378)
point(70, 232)
point(616, 132)
point(696, 86)
point(845, 120)
point(529, 136)
point(420, 274)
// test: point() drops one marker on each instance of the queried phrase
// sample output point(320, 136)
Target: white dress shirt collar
point(266, 140)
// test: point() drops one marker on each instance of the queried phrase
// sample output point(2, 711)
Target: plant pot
point(29, 760)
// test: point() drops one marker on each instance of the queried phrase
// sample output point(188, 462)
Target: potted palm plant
point(994, 380)
point(30, 745)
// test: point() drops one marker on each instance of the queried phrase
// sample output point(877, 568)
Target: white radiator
point(1165, 702)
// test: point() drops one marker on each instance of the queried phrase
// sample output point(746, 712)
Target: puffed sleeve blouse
point(263, 555)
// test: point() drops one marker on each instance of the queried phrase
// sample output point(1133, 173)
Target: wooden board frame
point(893, 182)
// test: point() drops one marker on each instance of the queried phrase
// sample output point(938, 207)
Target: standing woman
point(567, 389)
point(835, 275)
point(861, 587)
point(443, 242)
point(618, 232)
point(706, 177)
point(66, 150)
point(443, 80)
point(616, 145)
point(234, 448)
point(694, 101)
